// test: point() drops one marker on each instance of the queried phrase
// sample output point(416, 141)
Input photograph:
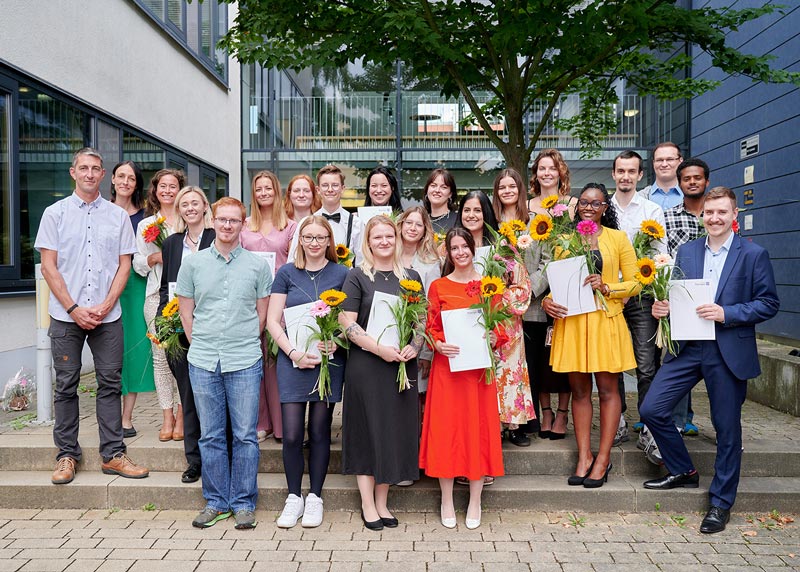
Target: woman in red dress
point(461, 429)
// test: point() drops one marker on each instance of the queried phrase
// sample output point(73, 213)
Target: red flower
point(473, 288)
point(735, 226)
point(151, 233)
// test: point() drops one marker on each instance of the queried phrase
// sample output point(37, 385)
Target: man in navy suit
point(741, 274)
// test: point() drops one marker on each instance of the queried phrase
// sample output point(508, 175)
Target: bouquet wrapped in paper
point(18, 391)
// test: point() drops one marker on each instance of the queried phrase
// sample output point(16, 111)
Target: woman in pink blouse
point(268, 229)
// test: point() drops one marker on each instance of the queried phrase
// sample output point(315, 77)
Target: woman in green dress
point(127, 192)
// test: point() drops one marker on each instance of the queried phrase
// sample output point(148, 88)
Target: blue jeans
point(228, 486)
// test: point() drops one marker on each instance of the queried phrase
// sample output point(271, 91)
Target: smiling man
point(665, 192)
point(741, 276)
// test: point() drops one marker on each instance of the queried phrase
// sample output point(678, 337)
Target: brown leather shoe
point(122, 465)
point(165, 434)
point(177, 436)
point(65, 471)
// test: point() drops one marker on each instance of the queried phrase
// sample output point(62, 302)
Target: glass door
point(9, 237)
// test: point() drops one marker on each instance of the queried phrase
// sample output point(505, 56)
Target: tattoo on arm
point(417, 342)
point(354, 331)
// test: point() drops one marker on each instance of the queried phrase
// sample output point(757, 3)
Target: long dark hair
point(448, 266)
point(137, 198)
point(394, 198)
point(488, 213)
point(448, 179)
point(609, 218)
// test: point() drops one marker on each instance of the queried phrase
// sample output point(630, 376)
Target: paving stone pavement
point(147, 541)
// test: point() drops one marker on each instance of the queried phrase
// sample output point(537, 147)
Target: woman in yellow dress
point(599, 342)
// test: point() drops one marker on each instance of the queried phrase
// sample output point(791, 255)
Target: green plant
point(658, 507)
point(149, 507)
point(678, 519)
point(113, 509)
point(92, 391)
point(575, 520)
point(22, 421)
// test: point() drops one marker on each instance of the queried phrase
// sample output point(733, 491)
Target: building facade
point(137, 79)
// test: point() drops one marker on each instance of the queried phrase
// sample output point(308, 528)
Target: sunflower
point(541, 227)
point(333, 297)
point(491, 286)
point(549, 202)
point(342, 251)
point(652, 229)
point(161, 220)
point(647, 271)
point(508, 232)
point(516, 225)
point(410, 285)
point(170, 308)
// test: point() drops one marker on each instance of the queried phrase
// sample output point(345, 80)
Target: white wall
point(110, 54)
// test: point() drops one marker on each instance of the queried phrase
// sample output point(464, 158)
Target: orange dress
point(461, 428)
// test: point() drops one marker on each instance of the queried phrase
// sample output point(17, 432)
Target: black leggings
point(319, 434)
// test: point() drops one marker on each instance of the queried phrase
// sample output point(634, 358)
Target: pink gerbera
point(319, 309)
point(587, 227)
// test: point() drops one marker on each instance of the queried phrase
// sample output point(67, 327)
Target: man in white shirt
point(632, 210)
point(345, 225)
point(665, 192)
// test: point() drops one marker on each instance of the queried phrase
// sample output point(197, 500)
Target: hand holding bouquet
point(325, 312)
point(654, 275)
point(409, 314)
point(168, 329)
point(494, 315)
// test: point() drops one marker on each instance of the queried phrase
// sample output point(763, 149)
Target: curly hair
point(609, 218)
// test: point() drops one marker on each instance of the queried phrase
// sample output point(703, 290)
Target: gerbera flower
point(342, 251)
point(170, 308)
point(473, 288)
point(652, 228)
point(524, 241)
point(333, 297)
point(560, 209)
point(491, 286)
point(151, 233)
point(541, 227)
point(410, 285)
point(587, 227)
point(549, 202)
point(662, 260)
point(319, 309)
point(647, 271)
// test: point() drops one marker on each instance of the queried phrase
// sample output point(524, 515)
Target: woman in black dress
point(380, 426)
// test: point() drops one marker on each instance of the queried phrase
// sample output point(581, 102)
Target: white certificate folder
point(566, 278)
point(684, 298)
point(463, 328)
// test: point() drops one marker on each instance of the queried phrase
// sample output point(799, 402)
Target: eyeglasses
point(594, 204)
point(667, 160)
point(310, 238)
point(331, 186)
point(228, 221)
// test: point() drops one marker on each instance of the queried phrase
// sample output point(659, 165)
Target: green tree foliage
point(520, 51)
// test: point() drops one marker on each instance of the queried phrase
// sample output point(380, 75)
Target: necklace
point(386, 275)
point(440, 217)
point(314, 273)
point(189, 236)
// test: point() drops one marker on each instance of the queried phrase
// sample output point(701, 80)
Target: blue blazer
point(746, 292)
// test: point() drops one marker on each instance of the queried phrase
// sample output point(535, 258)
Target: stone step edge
point(163, 490)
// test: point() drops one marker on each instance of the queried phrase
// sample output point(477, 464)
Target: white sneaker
point(312, 516)
point(292, 510)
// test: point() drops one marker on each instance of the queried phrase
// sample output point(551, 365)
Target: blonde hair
point(180, 224)
point(425, 248)
point(368, 264)
point(279, 219)
point(300, 254)
point(316, 201)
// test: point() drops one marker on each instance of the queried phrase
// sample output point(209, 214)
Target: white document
point(366, 213)
point(380, 324)
point(481, 253)
point(171, 290)
point(463, 329)
point(684, 298)
point(566, 279)
point(300, 326)
point(270, 258)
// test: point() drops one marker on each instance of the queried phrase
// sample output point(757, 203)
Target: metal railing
point(369, 120)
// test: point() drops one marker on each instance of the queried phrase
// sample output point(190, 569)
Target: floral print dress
point(514, 400)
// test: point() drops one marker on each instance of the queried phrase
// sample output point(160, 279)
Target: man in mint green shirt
point(223, 293)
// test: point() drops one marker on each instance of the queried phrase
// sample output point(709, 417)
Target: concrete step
point(762, 458)
point(94, 490)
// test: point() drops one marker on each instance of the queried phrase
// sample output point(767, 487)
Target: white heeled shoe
point(447, 522)
point(473, 523)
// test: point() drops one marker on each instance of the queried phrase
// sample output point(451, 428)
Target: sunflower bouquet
point(168, 328)
point(156, 232)
point(654, 275)
point(650, 231)
point(494, 314)
point(345, 255)
point(552, 228)
point(409, 313)
point(325, 312)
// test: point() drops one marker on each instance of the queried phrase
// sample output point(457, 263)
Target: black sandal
point(546, 434)
point(556, 436)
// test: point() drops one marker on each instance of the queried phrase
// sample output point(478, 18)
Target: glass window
point(222, 187)
point(206, 35)
point(149, 156)
point(50, 131)
point(108, 145)
point(175, 12)
point(6, 205)
point(155, 6)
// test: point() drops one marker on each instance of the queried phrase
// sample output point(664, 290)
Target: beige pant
point(166, 385)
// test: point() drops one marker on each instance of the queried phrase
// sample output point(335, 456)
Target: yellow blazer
point(619, 258)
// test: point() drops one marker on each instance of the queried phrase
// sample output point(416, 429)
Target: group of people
point(233, 277)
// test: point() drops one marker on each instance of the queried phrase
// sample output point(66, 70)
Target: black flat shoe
point(517, 437)
point(374, 525)
point(390, 522)
point(685, 480)
point(556, 436)
point(128, 432)
point(191, 474)
point(577, 480)
point(715, 520)
point(597, 483)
